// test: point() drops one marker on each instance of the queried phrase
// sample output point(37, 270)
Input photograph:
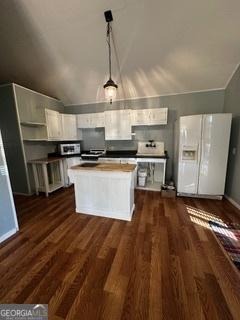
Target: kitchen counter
point(58, 155)
point(104, 189)
point(113, 154)
point(105, 167)
point(130, 154)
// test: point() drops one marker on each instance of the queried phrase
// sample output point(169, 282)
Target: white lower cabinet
point(118, 125)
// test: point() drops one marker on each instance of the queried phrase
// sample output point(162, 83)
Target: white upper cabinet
point(54, 124)
point(99, 119)
point(118, 125)
point(91, 120)
point(148, 117)
point(69, 127)
point(84, 121)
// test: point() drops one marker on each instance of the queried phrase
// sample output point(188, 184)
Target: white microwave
point(69, 148)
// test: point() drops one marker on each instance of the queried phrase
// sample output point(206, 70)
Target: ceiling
point(58, 47)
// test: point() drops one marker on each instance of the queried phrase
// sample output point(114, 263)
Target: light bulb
point(110, 89)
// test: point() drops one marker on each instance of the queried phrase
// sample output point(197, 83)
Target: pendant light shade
point(110, 89)
point(110, 86)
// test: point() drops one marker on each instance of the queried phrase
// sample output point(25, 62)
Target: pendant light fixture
point(110, 86)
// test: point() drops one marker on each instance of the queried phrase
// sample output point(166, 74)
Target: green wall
point(232, 105)
point(178, 105)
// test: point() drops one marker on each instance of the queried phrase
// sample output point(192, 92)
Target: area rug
point(229, 237)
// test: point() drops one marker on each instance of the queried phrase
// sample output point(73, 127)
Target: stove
point(93, 154)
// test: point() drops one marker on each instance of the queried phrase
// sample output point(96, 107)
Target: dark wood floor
point(165, 264)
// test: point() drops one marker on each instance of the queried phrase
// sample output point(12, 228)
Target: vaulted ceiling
point(58, 47)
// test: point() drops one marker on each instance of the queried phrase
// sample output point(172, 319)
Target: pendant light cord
point(109, 29)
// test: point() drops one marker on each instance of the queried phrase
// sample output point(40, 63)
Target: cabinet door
point(214, 155)
point(140, 117)
point(83, 121)
point(189, 142)
point(118, 125)
point(158, 116)
point(69, 126)
point(99, 120)
point(54, 124)
point(148, 117)
point(91, 120)
point(111, 127)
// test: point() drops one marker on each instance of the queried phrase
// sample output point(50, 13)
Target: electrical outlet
point(234, 151)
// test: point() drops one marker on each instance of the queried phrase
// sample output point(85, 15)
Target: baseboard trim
point(23, 194)
point(233, 202)
point(8, 234)
point(201, 196)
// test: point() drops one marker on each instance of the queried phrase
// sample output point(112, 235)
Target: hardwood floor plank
point(164, 264)
point(87, 304)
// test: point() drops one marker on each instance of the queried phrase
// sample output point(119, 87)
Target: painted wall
point(178, 105)
point(12, 140)
point(232, 105)
point(7, 210)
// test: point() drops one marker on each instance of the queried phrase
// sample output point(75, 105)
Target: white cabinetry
point(99, 119)
point(84, 121)
point(118, 125)
point(69, 127)
point(54, 124)
point(90, 120)
point(67, 164)
point(148, 117)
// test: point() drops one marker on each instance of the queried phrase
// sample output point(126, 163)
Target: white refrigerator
point(201, 154)
point(8, 217)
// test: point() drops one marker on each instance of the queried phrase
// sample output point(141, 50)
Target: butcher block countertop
point(105, 167)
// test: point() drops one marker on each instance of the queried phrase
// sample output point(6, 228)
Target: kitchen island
point(104, 189)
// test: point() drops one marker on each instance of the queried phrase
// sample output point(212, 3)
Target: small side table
point(48, 174)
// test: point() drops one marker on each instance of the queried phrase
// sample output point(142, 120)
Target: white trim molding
point(233, 202)
point(143, 97)
point(8, 234)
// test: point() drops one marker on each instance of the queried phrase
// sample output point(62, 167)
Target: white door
point(189, 153)
point(54, 124)
point(69, 127)
point(214, 154)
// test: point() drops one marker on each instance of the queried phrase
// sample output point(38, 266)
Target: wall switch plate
point(234, 151)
